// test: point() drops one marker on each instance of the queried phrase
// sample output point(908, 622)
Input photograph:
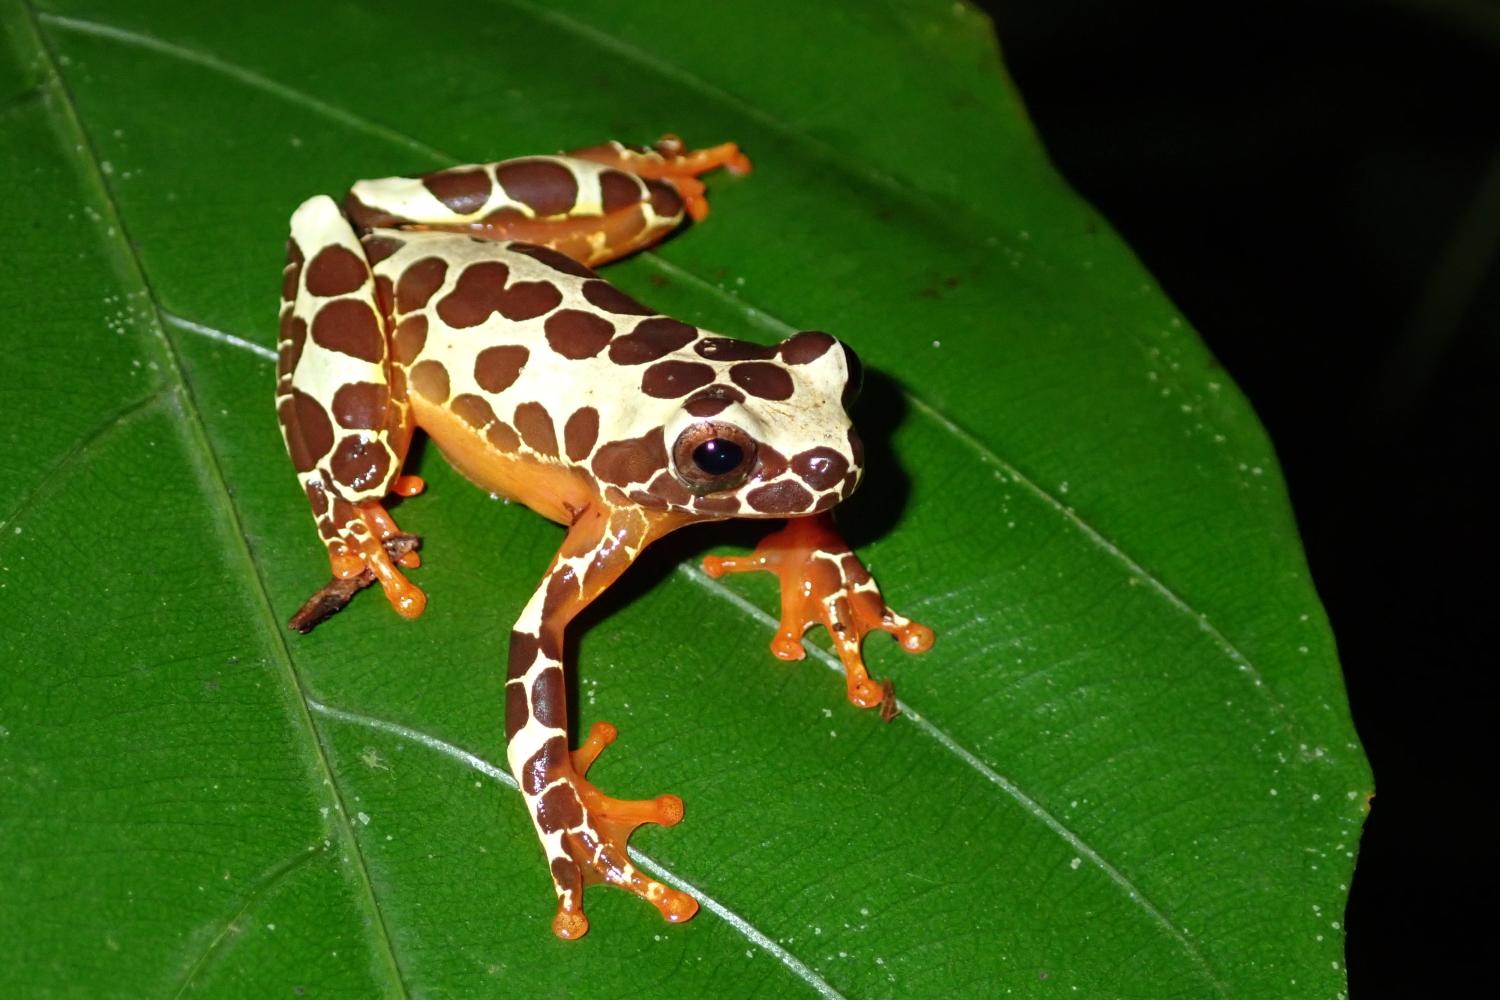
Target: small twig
point(336, 593)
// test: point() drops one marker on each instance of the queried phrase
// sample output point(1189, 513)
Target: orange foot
point(670, 160)
point(594, 836)
point(371, 548)
point(822, 581)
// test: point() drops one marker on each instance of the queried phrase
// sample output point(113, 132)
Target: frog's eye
point(713, 456)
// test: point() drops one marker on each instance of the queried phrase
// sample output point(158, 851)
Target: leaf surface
point(1126, 768)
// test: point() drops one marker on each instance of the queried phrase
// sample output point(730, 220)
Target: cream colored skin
point(787, 401)
point(812, 417)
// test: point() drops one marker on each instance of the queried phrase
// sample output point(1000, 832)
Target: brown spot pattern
point(464, 191)
point(293, 329)
point(618, 190)
point(713, 400)
point(535, 772)
point(784, 497)
point(360, 405)
point(821, 468)
point(360, 463)
point(554, 259)
point(429, 379)
point(545, 187)
point(378, 248)
point(665, 201)
point(772, 463)
point(666, 487)
point(633, 460)
point(365, 217)
point(411, 337)
point(292, 272)
point(855, 379)
point(763, 379)
point(497, 368)
point(824, 576)
point(310, 432)
point(566, 873)
point(349, 326)
point(535, 426)
point(576, 334)
point(558, 809)
point(472, 410)
point(809, 345)
point(725, 349)
point(853, 570)
point(547, 705)
point(481, 290)
point(580, 432)
point(725, 504)
point(336, 270)
point(651, 339)
point(609, 298)
point(503, 437)
point(317, 498)
point(418, 283)
point(385, 297)
point(516, 710)
point(671, 379)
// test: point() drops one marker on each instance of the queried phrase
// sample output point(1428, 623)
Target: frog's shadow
point(873, 511)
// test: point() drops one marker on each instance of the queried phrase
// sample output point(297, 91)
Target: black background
point(1317, 186)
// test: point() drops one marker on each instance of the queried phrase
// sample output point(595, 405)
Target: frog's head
point(771, 436)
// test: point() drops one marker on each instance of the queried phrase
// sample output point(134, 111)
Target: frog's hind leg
point(671, 162)
point(343, 411)
point(594, 205)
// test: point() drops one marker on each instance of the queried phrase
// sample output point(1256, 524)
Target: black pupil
point(717, 456)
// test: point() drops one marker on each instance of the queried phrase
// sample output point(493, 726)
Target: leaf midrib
point(79, 147)
point(767, 320)
point(947, 741)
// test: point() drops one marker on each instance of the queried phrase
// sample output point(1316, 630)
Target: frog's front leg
point(823, 582)
point(582, 831)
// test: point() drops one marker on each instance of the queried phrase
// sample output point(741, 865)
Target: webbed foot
point(364, 547)
point(585, 831)
point(823, 582)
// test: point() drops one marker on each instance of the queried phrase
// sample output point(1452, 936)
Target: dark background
point(1317, 186)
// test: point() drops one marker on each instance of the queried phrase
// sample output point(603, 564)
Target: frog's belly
point(554, 491)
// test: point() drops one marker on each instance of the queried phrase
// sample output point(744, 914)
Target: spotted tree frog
point(463, 302)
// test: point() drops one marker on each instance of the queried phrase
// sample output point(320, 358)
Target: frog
point(464, 302)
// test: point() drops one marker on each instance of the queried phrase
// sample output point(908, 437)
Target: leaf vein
point(79, 451)
point(131, 270)
point(268, 883)
point(963, 753)
point(656, 868)
point(915, 717)
point(1093, 535)
point(249, 77)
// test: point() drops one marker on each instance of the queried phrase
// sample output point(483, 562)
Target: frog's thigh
point(342, 407)
point(593, 212)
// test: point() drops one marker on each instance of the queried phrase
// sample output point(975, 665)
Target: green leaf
point(1126, 768)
